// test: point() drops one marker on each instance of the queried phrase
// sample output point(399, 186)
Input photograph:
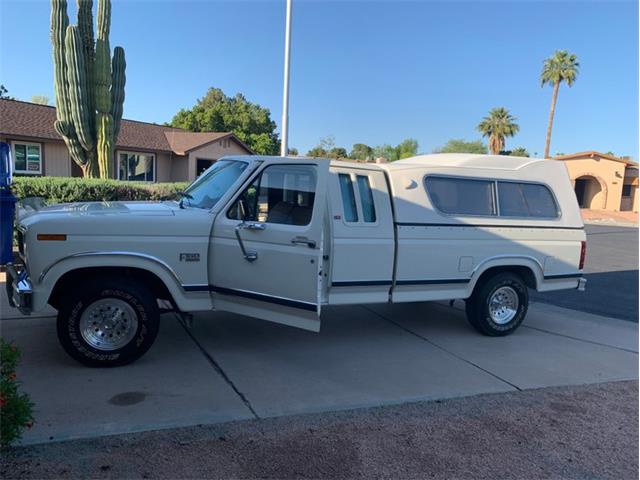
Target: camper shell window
point(491, 197)
point(462, 196)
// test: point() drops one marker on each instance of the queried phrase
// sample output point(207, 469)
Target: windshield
point(214, 183)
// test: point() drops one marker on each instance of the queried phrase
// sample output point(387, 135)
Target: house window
point(27, 158)
point(461, 196)
point(140, 167)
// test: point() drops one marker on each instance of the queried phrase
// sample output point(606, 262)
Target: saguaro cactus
point(89, 85)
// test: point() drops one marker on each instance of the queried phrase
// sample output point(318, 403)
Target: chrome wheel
point(108, 324)
point(503, 305)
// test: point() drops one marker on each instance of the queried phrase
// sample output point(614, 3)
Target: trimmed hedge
point(68, 190)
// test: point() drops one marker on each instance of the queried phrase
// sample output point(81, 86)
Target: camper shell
point(278, 238)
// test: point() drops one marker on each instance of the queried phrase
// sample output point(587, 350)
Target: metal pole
point(284, 150)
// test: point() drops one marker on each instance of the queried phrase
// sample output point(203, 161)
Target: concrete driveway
point(229, 367)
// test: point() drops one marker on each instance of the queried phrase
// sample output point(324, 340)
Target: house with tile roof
point(144, 151)
point(603, 181)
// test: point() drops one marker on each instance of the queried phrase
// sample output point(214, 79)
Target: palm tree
point(562, 66)
point(498, 125)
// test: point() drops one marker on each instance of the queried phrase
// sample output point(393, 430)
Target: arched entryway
point(591, 192)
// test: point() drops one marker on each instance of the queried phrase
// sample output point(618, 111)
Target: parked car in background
point(278, 238)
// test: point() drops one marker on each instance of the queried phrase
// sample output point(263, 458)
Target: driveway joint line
point(580, 339)
point(216, 366)
point(443, 349)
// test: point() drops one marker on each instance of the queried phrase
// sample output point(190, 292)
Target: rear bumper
point(19, 290)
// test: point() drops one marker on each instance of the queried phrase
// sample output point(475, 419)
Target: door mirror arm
point(249, 255)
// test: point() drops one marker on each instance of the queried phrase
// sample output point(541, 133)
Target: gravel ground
point(561, 432)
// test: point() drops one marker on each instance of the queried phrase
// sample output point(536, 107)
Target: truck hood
point(116, 218)
point(101, 208)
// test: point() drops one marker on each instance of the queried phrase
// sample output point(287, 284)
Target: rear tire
point(108, 323)
point(498, 305)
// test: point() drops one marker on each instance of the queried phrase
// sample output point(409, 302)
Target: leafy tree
point(215, 112)
point(4, 92)
point(327, 143)
point(562, 66)
point(407, 148)
point(337, 152)
point(498, 125)
point(386, 151)
point(360, 151)
point(292, 151)
point(458, 145)
point(40, 99)
point(518, 152)
point(317, 152)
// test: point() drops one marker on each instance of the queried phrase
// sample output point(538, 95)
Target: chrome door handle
point(251, 226)
point(305, 241)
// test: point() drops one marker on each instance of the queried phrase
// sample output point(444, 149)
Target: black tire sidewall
point(142, 302)
point(480, 316)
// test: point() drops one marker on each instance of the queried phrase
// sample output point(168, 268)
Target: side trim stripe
point(566, 275)
point(361, 283)
point(311, 307)
point(442, 281)
point(195, 288)
point(479, 225)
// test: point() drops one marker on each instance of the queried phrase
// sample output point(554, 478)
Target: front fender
point(192, 300)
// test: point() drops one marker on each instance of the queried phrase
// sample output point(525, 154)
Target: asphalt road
point(612, 275)
point(576, 432)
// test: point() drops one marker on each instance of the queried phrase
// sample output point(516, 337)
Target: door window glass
point(526, 200)
point(282, 194)
point(348, 198)
point(461, 196)
point(366, 199)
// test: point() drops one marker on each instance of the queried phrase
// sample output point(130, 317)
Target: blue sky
point(367, 71)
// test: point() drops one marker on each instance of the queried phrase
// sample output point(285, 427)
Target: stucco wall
point(610, 175)
point(55, 157)
point(179, 168)
point(213, 151)
point(57, 162)
point(163, 167)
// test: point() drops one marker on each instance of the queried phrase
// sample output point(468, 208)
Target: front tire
point(498, 305)
point(108, 323)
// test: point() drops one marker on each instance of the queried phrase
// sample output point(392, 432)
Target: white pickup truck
point(278, 238)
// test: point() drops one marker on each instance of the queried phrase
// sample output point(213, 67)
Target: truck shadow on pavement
point(610, 294)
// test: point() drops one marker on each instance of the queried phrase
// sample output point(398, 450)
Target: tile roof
point(592, 154)
point(24, 119)
point(182, 142)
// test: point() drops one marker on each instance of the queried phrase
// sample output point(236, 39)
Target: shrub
point(68, 190)
point(15, 407)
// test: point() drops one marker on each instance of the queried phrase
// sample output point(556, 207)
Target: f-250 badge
point(189, 257)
